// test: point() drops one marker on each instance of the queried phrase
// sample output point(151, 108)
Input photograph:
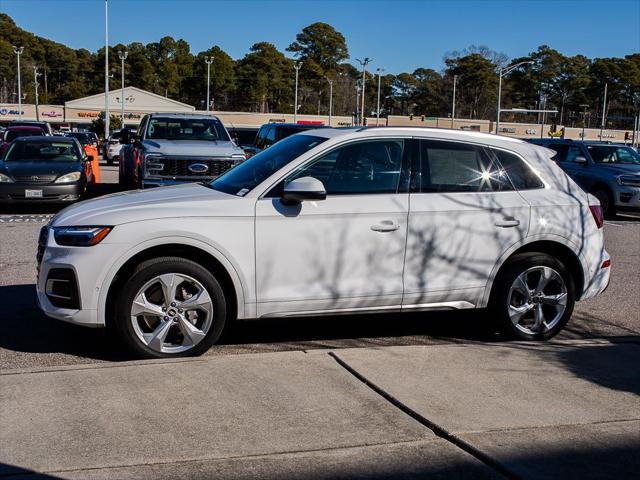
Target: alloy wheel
point(172, 313)
point(537, 300)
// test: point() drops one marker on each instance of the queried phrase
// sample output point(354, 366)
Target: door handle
point(507, 222)
point(385, 226)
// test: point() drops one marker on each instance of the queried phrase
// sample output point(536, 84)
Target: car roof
point(196, 116)
point(48, 138)
point(291, 124)
point(28, 128)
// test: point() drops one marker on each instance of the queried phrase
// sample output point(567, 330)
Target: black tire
point(499, 301)
point(606, 202)
point(145, 272)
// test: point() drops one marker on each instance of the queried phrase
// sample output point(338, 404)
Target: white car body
point(347, 253)
point(113, 149)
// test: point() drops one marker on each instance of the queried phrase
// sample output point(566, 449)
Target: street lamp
point(453, 101)
point(297, 66)
point(36, 74)
point(379, 71)
point(506, 71)
point(208, 60)
point(584, 118)
point(106, 69)
point(366, 61)
point(18, 51)
point(123, 57)
point(330, 97)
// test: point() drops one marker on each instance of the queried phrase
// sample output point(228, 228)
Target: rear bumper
point(51, 193)
point(599, 280)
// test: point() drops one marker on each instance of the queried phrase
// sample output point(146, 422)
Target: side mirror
point(580, 159)
point(301, 189)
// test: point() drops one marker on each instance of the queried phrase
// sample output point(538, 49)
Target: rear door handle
point(385, 226)
point(507, 222)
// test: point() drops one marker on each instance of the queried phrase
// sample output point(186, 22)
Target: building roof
point(135, 99)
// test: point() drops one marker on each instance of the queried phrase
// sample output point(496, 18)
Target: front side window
point(458, 167)
point(613, 154)
point(358, 168)
point(160, 128)
point(249, 174)
point(520, 174)
point(43, 152)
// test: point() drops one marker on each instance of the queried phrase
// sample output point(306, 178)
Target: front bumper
point(51, 193)
point(164, 182)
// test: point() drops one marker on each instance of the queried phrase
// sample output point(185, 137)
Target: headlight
point(68, 178)
point(153, 165)
point(238, 158)
point(80, 236)
point(5, 178)
point(629, 180)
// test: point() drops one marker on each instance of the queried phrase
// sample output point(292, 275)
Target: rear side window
point(520, 174)
point(458, 167)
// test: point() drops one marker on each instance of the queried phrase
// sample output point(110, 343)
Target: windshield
point(29, 151)
point(11, 135)
point(248, 175)
point(186, 129)
point(82, 137)
point(613, 154)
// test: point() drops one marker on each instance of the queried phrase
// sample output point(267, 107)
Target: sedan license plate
point(33, 194)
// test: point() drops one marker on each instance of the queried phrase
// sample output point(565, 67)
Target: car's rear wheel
point(533, 297)
point(170, 307)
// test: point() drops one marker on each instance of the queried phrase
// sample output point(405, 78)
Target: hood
point(42, 169)
point(178, 201)
point(200, 148)
point(621, 168)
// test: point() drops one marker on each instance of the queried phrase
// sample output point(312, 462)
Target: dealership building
point(79, 113)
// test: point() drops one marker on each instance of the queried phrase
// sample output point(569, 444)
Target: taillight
point(598, 215)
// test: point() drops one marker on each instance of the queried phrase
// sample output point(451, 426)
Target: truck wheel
point(170, 307)
point(533, 297)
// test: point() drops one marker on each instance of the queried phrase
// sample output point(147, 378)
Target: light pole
point(330, 97)
point(505, 71)
point(123, 57)
point(208, 60)
point(453, 101)
point(584, 118)
point(35, 81)
point(604, 111)
point(106, 69)
point(366, 61)
point(297, 66)
point(379, 71)
point(18, 51)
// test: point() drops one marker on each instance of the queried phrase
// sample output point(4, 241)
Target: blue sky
point(398, 35)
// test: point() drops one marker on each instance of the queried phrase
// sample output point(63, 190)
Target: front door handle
point(507, 222)
point(385, 226)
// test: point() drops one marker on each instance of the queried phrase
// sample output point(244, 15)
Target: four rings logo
point(198, 168)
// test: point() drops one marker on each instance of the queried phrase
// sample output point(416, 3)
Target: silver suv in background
point(171, 148)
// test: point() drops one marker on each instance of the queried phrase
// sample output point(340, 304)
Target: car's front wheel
point(170, 307)
point(533, 297)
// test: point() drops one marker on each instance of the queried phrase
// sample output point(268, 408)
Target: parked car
point(177, 148)
point(610, 172)
point(88, 142)
point(46, 126)
point(114, 144)
point(271, 133)
point(332, 222)
point(11, 133)
point(44, 169)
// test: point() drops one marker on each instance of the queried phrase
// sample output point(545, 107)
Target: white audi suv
point(332, 221)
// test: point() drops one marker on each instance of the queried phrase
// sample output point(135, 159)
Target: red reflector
point(598, 216)
point(606, 264)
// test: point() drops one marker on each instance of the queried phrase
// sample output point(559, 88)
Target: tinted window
point(520, 174)
point(11, 135)
point(284, 132)
point(270, 137)
point(249, 174)
point(364, 167)
point(613, 154)
point(34, 151)
point(186, 129)
point(458, 167)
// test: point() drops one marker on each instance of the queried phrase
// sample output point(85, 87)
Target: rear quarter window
point(520, 174)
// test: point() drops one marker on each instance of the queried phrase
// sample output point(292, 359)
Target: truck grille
point(178, 167)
